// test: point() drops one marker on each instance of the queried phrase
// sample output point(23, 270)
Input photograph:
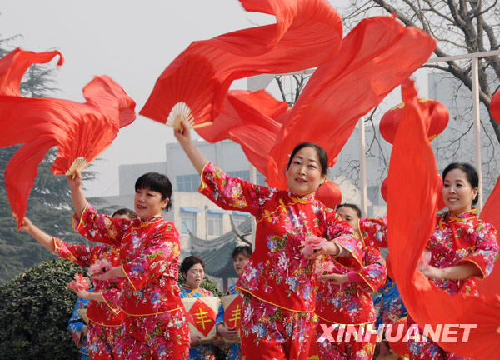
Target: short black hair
point(470, 173)
point(352, 206)
point(156, 182)
point(188, 263)
point(322, 155)
point(243, 250)
point(125, 211)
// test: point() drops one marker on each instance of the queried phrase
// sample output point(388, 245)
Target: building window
point(188, 222)
point(214, 224)
point(188, 183)
point(261, 180)
point(243, 175)
point(239, 218)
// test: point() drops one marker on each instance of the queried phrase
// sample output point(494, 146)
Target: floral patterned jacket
point(277, 272)
point(351, 302)
point(374, 233)
point(149, 253)
point(461, 240)
point(98, 312)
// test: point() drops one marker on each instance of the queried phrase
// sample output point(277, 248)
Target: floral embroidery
point(460, 240)
point(277, 272)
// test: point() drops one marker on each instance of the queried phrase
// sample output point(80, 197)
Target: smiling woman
point(149, 250)
point(153, 193)
point(193, 269)
point(460, 187)
point(278, 282)
point(463, 247)
point(306, 169)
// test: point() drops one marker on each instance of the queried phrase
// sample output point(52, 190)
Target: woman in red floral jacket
point(344, 298)
point(155, 325)
point(279, 281)
point(463, 248)
point(105, 321)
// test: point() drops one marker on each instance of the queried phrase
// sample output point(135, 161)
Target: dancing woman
point(155, 325)
point(463, 248)
point(279, 281)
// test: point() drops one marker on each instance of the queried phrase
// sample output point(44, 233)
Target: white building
point(191, 211)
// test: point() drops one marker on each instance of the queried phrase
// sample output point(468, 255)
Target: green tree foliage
point(49, 207)
point(36, 307)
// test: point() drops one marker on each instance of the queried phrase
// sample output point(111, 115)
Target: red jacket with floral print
point(149, 253)
point(277, 272)
point(373, 232)
point(98, 312)
point(461, 240)
point(351, 302)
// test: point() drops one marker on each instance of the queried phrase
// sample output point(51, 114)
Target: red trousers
point(346, 345)
point(103, 341)
point(269, 332)
point(162, 336)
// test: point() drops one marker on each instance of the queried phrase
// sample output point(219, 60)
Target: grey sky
point(131, 41)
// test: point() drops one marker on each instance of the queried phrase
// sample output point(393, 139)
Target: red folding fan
point(187, 93)
point(81, 131)
point(375, 57)
point(195, 84)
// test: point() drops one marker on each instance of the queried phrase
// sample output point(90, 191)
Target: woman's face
point(458, 193)
point(239, 263)
point(148, 203)
point(348, 214)
point(194, 276)
point(304, 174)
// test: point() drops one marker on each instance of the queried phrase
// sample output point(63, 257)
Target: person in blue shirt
point(77, 325)
point(193, 269)
point(240, 255)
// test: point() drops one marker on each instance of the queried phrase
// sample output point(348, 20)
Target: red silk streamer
point(307, 33)
point(495, 106)
point(411, 221)
point(440, 203)
point(77, 129)
point(251, 119)
point(491, 213)
point(375, 57)
point(17, 62)
point(430, 109)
